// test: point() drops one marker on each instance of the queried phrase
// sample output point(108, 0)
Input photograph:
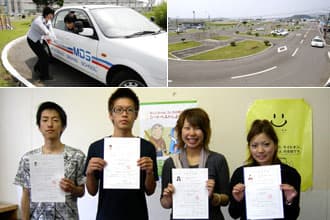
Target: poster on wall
point(157, 123)
point(292, 121)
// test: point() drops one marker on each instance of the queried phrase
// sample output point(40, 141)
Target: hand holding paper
point(146, 163)
point(238, 192)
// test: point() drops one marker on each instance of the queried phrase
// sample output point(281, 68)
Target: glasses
point(120, 110)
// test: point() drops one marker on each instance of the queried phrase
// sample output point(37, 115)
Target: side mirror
point(88, 32)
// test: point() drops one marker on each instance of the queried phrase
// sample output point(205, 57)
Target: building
point(17, 7)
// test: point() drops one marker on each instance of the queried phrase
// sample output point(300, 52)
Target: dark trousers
point(42, 64)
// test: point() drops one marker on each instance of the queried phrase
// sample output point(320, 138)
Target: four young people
point(194, 134)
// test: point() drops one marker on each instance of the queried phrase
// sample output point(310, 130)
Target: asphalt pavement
point(291, 61)
point(22, 58)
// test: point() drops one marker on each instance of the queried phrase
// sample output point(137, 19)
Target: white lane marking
point(281, 49)
point(302, 41)
point(254, 74)
point(329, 54)
point(170, 81)
point(294, 53)
point(9, 67)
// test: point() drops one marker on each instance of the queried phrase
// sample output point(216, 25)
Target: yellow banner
point(292, 120)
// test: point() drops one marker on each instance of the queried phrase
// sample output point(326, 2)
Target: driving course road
point(22, 58)
point(291, 61)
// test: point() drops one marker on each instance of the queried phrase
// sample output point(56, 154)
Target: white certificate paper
point(263, 194)
point(121, 171)
point(190, 200)
point(46, 172)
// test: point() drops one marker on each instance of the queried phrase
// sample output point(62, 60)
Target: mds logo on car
point(83, 54)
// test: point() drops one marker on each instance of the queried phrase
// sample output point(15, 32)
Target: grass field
point(20, 29)
point(241, 49)
point(182, 46)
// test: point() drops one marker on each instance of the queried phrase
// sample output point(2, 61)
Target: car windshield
point(123, 22)
point(317, 40)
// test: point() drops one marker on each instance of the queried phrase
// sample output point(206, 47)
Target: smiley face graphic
point(278, 122)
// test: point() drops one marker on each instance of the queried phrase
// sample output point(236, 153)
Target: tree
point(160, 13)
point(40, 3)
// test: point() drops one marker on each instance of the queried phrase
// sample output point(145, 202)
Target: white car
point(280, 32)
point(317, 42)
point(115, 45)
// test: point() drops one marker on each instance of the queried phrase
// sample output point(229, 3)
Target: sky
point(244, 8)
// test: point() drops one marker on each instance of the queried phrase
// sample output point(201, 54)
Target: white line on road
point(329, 54)
point(9, 67)
point(281, 49)
point(170, 81)
point(294, 53)
point(254, 74)
point(302, 41)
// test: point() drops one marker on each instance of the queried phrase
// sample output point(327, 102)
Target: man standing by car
point(40, 27)
point(120, 204)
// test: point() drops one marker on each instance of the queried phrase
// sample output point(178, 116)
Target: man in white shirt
point(40, 27)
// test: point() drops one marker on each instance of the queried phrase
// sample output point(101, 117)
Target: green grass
point(172, 33)
point(221, 38)
point(241, 49)
point(222, 24)
point(183, 45)
point(253, 34)
point(20, 29)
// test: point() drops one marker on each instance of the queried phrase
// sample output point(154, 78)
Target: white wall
point(88, 121)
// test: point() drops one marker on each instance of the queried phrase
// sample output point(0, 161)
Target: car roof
point(90, 6)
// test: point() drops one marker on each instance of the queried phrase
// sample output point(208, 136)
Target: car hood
point(152, 45)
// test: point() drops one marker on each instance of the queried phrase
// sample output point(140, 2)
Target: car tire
point(127, 78)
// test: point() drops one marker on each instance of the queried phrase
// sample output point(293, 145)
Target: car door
point(77, 50)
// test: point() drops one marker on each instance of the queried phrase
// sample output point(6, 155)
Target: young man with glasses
point(117, 204)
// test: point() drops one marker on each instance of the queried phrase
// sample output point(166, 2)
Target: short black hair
point(51, 106)
point(70, 18)
point(46, 11)
point(123, 93)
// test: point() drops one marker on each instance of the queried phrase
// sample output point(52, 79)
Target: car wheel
point(127, 78)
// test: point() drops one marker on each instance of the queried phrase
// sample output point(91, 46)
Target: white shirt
point(39, 28)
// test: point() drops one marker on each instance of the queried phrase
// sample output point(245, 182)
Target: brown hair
point(259, 127)
point(197, 117)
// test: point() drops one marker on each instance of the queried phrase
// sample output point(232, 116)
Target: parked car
point(280, 32)
point(317, 42)
point(260, 29)
point(200, 27)
point(116, 45)
point(180, 29)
